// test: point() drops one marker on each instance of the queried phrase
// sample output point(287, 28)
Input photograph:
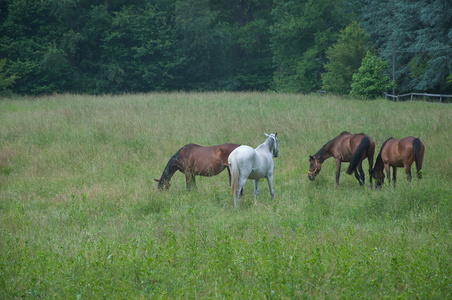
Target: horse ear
point(156, 180)
point(311, 157)
point(266, 134)
point(276, 134)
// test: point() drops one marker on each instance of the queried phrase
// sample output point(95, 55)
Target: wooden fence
point(396, 98)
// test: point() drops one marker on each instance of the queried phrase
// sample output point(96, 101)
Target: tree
point(417, 36)
point(138, 51)
point(301, 33)
point(371, 80)
point(206, 46)
point(345, 59)
point(6, 80)
point(26, 32)
point(247, 22)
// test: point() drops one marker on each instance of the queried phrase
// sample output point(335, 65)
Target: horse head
point(379, 176)
point(315, 165)
point(162, 184)
point(273, 143)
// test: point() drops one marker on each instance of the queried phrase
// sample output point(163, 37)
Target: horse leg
point(190, 180)
point(240, 184)
point(270, 186)
point(360, 176)
point(408, 172)
point(361, 172)
point(370, 168)
point(394, 175)
point(388, 172)
point(193, 181)
point(256, 191)
point(418, 171)
point(338, 171)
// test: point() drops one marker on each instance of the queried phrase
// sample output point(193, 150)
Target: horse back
point(225, 150)
point(410, 147)
point(395, 152)
point(204, 161)
point(347, 144)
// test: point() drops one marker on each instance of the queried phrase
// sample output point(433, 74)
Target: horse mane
point(379, 159)
point(271, 143)
point(322, 149)
point(172, 166)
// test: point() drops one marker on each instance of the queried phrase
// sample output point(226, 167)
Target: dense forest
point(119, 46)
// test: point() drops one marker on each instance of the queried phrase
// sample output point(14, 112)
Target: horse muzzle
point(311, 176)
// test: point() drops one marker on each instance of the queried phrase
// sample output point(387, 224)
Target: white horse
point(246, 162)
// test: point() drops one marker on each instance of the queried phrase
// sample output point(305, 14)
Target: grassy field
point(81, 217)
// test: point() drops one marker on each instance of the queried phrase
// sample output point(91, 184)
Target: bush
point(371, 80)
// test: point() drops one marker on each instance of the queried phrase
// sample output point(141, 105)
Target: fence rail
point(396, 98)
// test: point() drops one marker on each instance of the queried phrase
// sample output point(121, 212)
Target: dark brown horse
point(346, 147)
point(397, 154)
point(194, 160)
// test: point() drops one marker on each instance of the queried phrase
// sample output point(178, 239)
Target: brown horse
point(397, 154)
point(346, 147)
point(194, 160)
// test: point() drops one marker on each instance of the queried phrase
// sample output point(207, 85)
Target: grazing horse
point(397, 154)
point(248, 163)
point(346, 147)
point(194, 160)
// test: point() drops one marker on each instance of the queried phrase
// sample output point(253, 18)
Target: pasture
point(81, 216)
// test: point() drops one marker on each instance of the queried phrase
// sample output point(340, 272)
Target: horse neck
point(378, 163)
point(266, 146)
point(325, 152)
point(170, 169)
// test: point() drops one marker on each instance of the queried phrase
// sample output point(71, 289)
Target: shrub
point(371, 80)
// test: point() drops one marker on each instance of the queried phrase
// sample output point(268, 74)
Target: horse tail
point(418, 154)
point(359, 153)
point(235, 174)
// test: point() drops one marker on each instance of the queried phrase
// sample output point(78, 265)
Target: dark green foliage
point(301, 34)
point(252, 63)
point(417, 34)
point(205, 44)
point(137, 51)
point(117, 46)
point(344, 59)
point(6, 80)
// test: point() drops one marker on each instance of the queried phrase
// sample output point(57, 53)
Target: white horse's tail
point(235, 174)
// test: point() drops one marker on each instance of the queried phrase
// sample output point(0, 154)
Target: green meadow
point(81, 216)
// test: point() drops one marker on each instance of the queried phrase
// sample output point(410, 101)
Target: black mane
point(172, 165)
point(322, 149)
point(379, 154)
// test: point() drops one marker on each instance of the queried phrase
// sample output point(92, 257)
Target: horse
point(193, 159)
point(346, 147)
point(248, 163)
point(397, 154)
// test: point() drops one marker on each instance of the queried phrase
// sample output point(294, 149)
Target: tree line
point(119, 46)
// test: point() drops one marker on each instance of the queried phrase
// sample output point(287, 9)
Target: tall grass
point(81, 217)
